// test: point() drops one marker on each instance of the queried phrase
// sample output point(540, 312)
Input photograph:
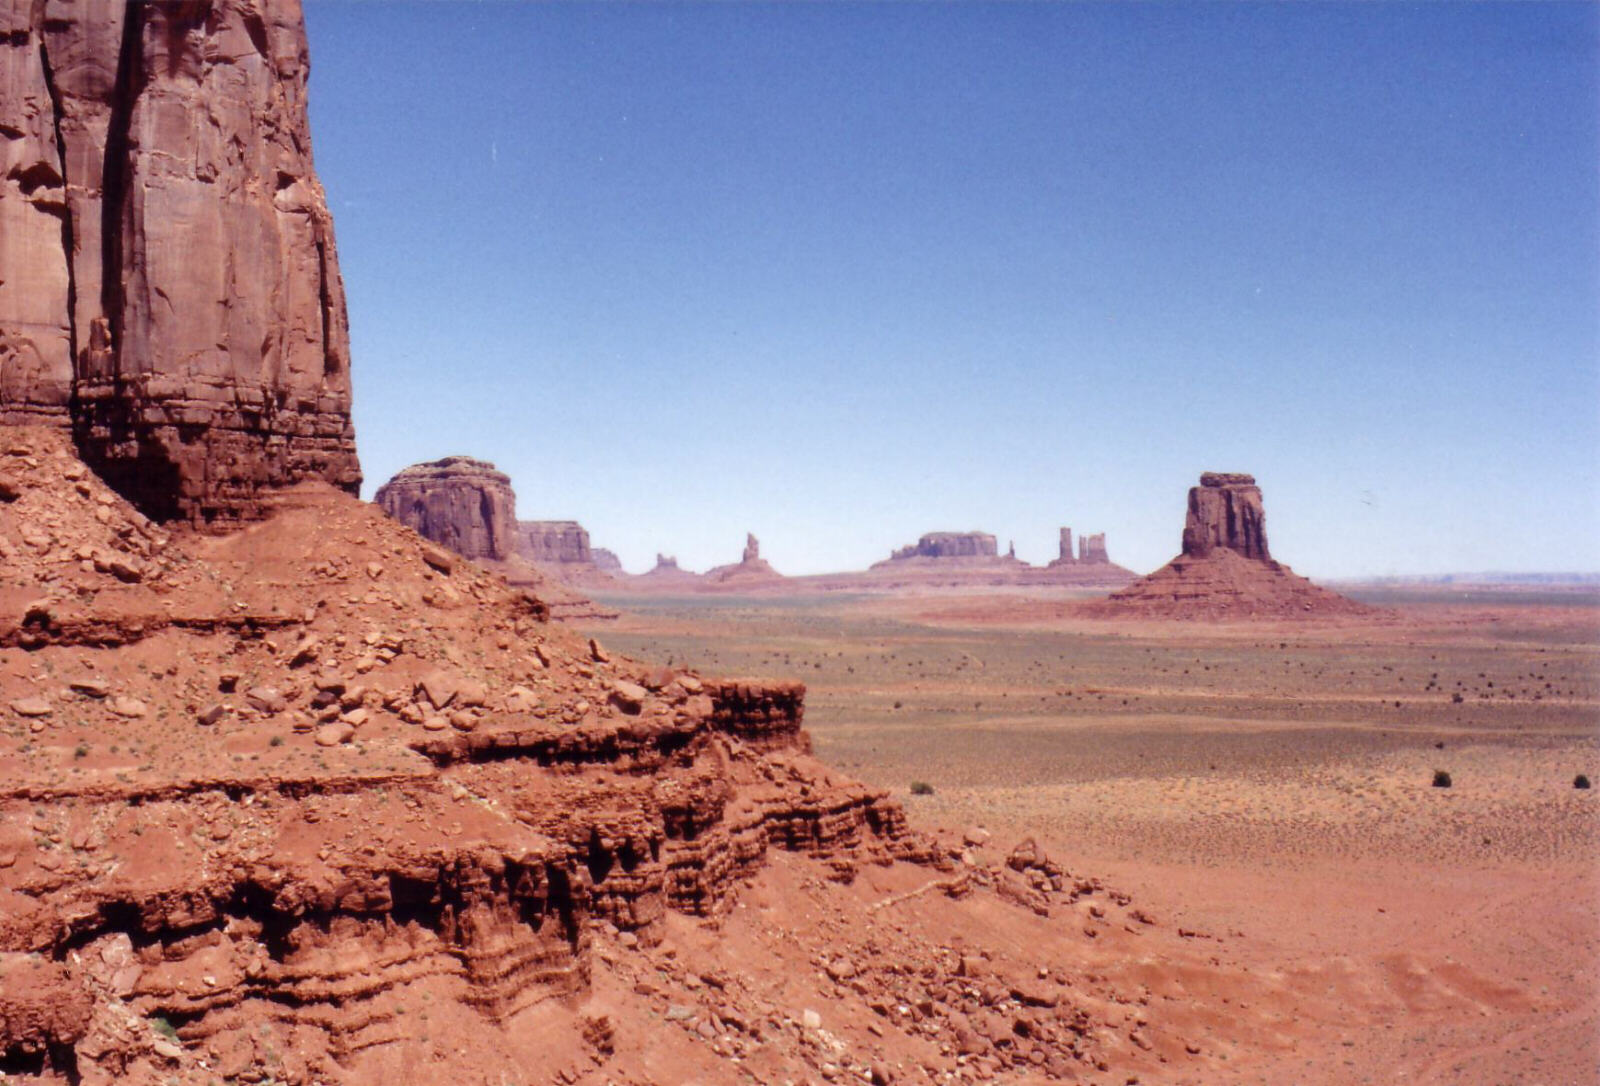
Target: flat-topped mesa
point(1092, 550)
point(950, 545)
point(558, 542)
point(171, 290)
point(1225, 511)
point(458, 502)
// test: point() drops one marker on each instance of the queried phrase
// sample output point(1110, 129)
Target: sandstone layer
point(170, 287)
point(1225, 570)
point(949, 545)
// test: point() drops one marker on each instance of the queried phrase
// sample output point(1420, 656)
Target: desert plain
point(1266, 791)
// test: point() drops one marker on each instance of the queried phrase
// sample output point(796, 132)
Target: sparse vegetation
point(1441, 779)
point(1580, 781)
point(164, 1027)
point(921, 788)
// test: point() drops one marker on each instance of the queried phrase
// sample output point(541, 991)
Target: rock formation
point(751, 568)
point(605, 561)
point(1225, 570)
point(1092, 549)
point(1225, 511)
point(169, 287)
point(1067, 556)
point(458, 502)
point(558, 542)
point(949, 545)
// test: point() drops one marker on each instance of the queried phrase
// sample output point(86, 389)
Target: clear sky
point(840, 274)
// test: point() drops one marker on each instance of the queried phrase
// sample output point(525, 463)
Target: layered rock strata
point(369, 775)
point(171, 289)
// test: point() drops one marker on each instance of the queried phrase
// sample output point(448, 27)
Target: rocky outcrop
point(558, 542)
point(171, 290)
point(458, 502)
point(1225, 511)
point(447, 801)
point(1092, 549)
point(750, 570)
point(1225, 571)
point(1066, 556)
point(605, 561)
point(949, 545)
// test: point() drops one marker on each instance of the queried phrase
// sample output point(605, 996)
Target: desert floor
point(1267, 788)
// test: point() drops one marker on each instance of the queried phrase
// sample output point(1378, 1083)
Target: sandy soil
point(1266, 787)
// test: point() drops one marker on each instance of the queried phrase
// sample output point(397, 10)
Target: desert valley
point(298, 788)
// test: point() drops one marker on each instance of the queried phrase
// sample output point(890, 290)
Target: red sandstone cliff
point(170, 287)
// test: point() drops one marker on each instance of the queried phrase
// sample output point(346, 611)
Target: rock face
point(171, 290)
point(605, 561)
point(950, 545)
point(752, 549)
point(1092, 549)
point(1225, 571)
point(1225, 511)
point(563, 542)
point(458, 502)
point(1066, 556)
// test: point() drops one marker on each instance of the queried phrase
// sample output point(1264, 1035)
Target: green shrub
point(921, 788)
point(1580, 781)
point(1441, 779)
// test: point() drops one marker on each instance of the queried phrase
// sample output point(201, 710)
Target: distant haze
point(841, 274)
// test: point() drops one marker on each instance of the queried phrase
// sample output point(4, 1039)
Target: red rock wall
point(1225, 511)
point(951, 545)
point(457, 502)
point(171, 285)
point(558, 541)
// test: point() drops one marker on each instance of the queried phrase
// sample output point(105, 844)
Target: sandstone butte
point(1225, 569)
point(171, 292)
point(468, 506)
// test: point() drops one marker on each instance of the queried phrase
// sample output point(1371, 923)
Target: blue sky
point(840, 274)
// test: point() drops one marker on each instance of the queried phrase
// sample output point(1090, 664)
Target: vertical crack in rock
point(68, 245)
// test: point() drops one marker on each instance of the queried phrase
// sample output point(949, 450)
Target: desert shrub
point(921, 788)
point(1580, 781)
point(1441, 779)
point(1456, 698)
point(81, 750)
point(165, 1028)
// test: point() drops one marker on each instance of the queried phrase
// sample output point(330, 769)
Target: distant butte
point(1225, 570)
point(468, 505)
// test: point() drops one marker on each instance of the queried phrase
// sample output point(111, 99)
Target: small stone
point(810, 1019)
point(975, 837)
point(597, 652)
point(266, 699)
point(212, 715)
point(629, 697)
point(31, 707)
point(9, 490)
point(439, 558)
point(131, 708)
point(463, 720)
point(331, 735)
point(355, 717)
point(90, 688)
point(435, 723)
